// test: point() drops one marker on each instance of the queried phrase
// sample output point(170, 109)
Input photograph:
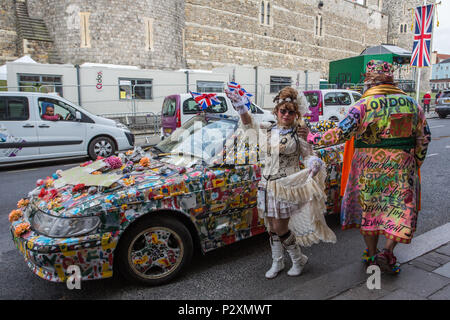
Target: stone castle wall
point(223, 33)
point(117, 31)
point(8, 31)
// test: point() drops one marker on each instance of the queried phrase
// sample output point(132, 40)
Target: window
point(191, 107)
point(84, 30)
point(140, 89)
point(337, 99)
point(169, 107)
point(318, 26)
point(209, 86)
point(42, 83)
point(265, 12)
point(312, 98)
point(14, 109)
point(278, 83)
point(255, 109)
point(262, 9)
point(67, 112)
point(148, 34)
point(356, 96)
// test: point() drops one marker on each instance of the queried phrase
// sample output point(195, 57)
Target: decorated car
point(145, 211)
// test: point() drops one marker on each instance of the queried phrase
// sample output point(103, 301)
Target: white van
point(27, 133)
point(179, 108)
point(330, 104)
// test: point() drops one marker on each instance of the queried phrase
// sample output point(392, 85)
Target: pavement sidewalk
point(425, 275)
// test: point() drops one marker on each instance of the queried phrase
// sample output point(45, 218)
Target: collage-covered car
point(144, 212)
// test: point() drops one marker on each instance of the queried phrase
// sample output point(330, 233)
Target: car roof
point(24, 93)
point(336, 90)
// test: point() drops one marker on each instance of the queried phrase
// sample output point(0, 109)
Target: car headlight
point(57, 227)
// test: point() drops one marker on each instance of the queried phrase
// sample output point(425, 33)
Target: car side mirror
point(78, 115)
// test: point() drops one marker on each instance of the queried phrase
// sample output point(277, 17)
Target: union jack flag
point(423, 21)
point(205, 100)
point(233, 86)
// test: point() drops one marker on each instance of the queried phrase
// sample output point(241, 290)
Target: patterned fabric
point(382, 192)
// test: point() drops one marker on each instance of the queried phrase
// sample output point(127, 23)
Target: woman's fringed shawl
point(308, 224)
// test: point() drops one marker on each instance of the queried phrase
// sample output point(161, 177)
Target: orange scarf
point(349, 148)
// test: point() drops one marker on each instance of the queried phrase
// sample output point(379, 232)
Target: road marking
point(433, 154)
point(22, 170)
point(436, 127)
point(447, 147)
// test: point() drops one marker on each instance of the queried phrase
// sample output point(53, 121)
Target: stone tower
point(401, 34)
point(145, 33)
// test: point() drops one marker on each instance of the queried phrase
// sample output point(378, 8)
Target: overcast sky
point(441, 34)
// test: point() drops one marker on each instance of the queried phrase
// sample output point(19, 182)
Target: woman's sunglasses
point(284, 111)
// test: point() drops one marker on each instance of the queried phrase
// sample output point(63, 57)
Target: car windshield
point(200, 138)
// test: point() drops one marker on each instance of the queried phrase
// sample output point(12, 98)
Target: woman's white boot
point(298, 259)
point(277, 257)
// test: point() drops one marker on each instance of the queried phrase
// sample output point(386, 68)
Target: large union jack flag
point(423, 21)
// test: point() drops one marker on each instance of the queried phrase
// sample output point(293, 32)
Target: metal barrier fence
point(139, 122)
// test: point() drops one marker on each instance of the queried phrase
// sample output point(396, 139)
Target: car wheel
point(101, 146)
point(442, 116)
point(155, 250)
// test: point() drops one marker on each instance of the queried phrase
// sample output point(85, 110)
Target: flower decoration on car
point(113, 162)
point(22, 228)
point(15, 215)
point(23, 203)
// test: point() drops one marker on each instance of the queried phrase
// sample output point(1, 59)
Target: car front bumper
point(442, 109)
point(49, 258)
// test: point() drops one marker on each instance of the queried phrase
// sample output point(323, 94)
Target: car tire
point(170, 250)
point(442, 116)
point(101, 146)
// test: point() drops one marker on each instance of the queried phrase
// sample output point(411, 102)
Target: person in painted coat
point(286, 195)
point(389, 138)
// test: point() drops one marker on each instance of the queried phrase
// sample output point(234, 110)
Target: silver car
point(443, 104)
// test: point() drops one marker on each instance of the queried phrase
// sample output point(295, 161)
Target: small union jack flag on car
point(423, 21)
point(205, 100)
point(233, 86)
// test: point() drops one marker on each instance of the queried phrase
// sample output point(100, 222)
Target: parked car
point(443, 104)
point(330, 104)
point(146, 212)
point(28, 133)
point(179, 108)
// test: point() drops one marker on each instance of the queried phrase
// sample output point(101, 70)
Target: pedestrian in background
point(426, 102)
point(391, 137)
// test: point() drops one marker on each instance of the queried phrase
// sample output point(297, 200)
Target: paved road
point(234, 272)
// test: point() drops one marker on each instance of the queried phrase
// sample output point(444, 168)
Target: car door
point(169, 115)
point(64, 137)
point(18, 133)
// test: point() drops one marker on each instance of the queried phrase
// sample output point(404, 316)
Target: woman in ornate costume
point(291, 200)
point(387, 139)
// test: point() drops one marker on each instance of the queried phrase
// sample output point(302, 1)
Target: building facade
point(440, 77)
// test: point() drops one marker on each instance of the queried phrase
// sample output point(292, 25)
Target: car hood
point(94, 187)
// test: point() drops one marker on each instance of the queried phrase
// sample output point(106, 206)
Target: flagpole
point(420, 69)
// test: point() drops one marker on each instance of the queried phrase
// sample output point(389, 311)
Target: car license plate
point(446, 100)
